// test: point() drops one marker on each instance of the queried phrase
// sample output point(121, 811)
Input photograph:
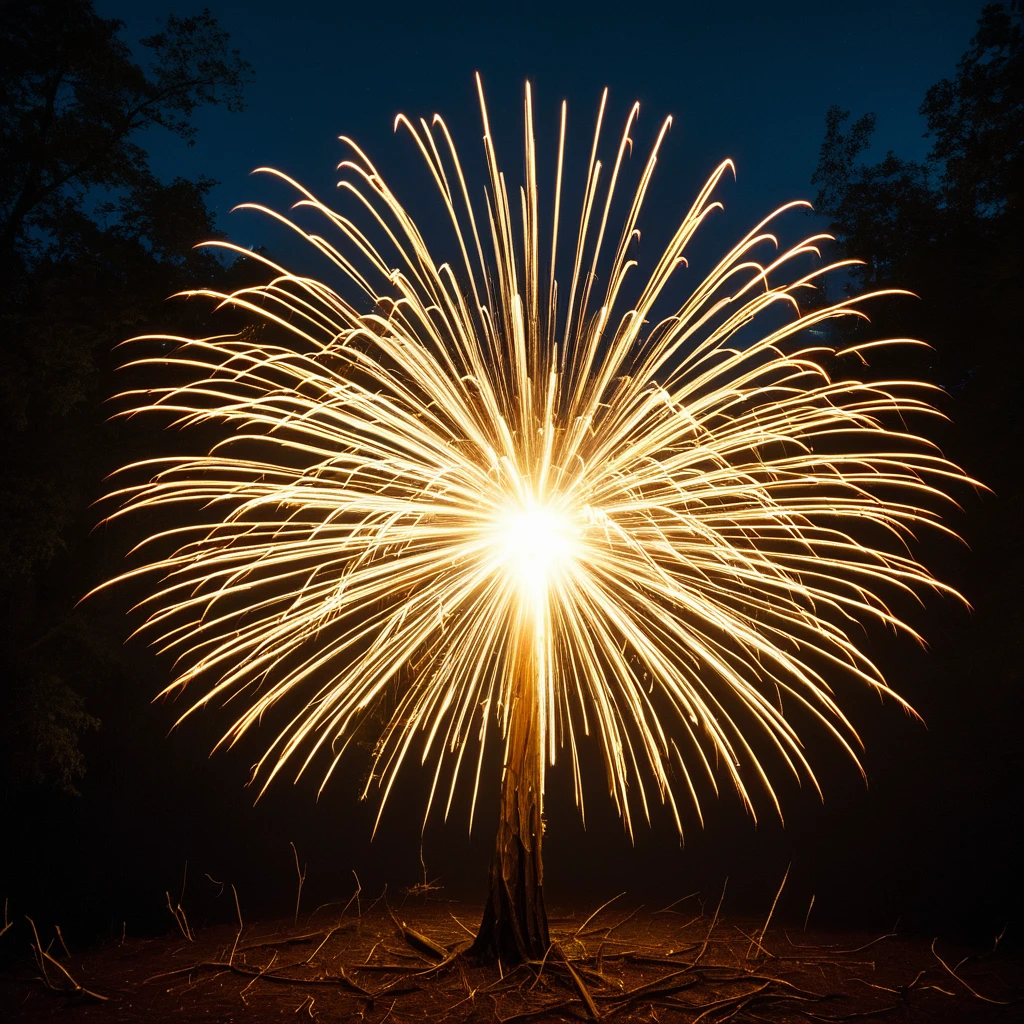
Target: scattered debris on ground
point(377, 962)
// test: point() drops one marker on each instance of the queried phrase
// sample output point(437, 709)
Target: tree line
point(92, 242)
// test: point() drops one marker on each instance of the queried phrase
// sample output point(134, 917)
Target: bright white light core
point(537, 543)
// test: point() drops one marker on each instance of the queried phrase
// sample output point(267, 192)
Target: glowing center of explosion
point(536, 544)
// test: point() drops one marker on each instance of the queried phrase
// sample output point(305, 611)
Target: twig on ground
point(714, 921)
point(330, 934)
point(178, 912)
point(615, 927)
point(503, 977)
point(467, 930)
point(301, 872)
point(43, 956)
point(256, 977)
point(809, 909)
point(980, 956)
point(425, 887)
point(397, 988)
point(291, 940)
point(882, 1011)
point(238, 935)
point(595, 913)
point(383, 896)
point(974, 992)
point(540, 1011)
point(720, 1004)
point(658, 988)
point(64, 945)
point(775, 901)
point(544, 960)
point(355, 895)
point(904, 990)
point(795, 989)
point(249, 972)
point(420, 942)
point(584, 992)
point(840, 952)
point(354, 898)
point(179, 918)
point(669, 908)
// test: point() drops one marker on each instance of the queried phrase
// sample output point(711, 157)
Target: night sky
point(741, 81)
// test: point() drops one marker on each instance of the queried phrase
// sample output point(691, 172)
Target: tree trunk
point(515, 923)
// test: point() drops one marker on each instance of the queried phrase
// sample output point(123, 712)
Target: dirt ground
point(377, 963)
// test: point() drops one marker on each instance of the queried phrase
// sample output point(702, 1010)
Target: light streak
point(673, 524)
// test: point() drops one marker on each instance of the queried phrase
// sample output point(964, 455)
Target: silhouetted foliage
point(91, 244)
point(949, 229)
point(946, 228)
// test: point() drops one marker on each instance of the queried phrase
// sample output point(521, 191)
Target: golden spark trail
point(648, 523)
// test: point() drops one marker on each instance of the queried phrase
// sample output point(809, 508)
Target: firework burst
point(501, 497)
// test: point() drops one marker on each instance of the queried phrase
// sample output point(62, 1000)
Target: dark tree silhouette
point(949, 229)
point(91, 244)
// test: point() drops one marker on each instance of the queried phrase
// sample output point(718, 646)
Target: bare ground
point(376, 963)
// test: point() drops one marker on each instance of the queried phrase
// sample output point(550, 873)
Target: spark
point(446, 492)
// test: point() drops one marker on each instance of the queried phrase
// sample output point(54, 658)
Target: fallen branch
point(659, 988)
point(418, 940)
point(265, 975)
point(541, 1011)
point(974, 992)
point(580, 987)
point(291, 940)
point(720, 1004)
point(43, 956)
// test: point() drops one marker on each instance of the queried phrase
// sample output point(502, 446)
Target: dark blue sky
point(746, 80)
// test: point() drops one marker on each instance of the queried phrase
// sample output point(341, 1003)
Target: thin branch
point(759, 939)
point(231, 958)
point(580, 987)
point(974, 992)
point(714, 921)
point(43, 957)
point(420, 942)
point(465, 928)
point(595, 913)
point(64, 945)
point(301, 872)
point(809, 909)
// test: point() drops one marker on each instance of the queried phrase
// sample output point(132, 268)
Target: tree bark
point(515, 923)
